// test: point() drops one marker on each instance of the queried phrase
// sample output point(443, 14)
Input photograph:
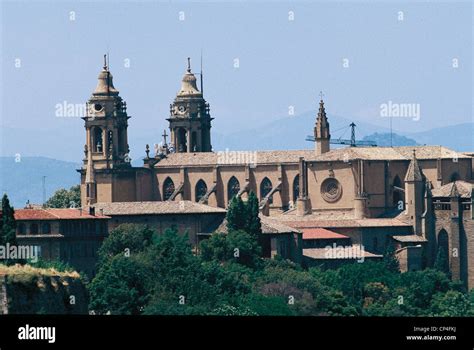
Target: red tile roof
point(321, 233)
point(55, 214)
point(350, 223)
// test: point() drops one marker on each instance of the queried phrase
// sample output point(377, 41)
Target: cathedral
point(417, 199)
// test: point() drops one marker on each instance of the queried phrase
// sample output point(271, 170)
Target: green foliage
point(253, 224)
point(120, 286)
point(452, 303)
point(163, 276)
point(442, 262)
point(63, 198)
point(236, 246)
point(8, 224)
point(125, 239)
point(236, 214)
point(390, 260)
point(243, 216)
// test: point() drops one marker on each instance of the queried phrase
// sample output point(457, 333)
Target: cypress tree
point(441, 262)
point(253, 226)
point(8, 228)
point(236, 216)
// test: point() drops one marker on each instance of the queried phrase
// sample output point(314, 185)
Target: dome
point(105, 85)
point(188, 84)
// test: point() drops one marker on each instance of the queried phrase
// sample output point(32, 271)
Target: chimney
point(92, 211)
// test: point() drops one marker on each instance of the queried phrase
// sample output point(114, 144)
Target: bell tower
point(190, 120)
point(106, 123)
point(321, 130)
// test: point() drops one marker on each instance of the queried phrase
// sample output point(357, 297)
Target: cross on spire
point(105, 62)
point(321, 95)
point(164, 136)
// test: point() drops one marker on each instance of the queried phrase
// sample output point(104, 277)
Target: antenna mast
point(202, 88)
point(43, 180)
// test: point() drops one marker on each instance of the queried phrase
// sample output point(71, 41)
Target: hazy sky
point(360, 54)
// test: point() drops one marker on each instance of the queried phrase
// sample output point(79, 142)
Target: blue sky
point(282, 63)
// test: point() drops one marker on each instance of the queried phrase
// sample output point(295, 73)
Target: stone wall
point(26, 290)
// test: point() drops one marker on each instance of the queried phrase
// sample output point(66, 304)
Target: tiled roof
point(269, 226)
point(390, 153)
point(156, 208)
point(292, 156)
point(55, 214)
point(464, 189)
point(321, 233)
point(301, 223)
point(233, 158)
point(322, 254)
point(410, 239)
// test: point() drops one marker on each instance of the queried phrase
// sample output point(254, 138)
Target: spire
point(322, 120)
point(414, 172)
point(188, 84)
point(321, 129)
point(105, 85)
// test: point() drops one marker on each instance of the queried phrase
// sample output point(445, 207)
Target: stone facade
point(363, 184)
point(70, 235)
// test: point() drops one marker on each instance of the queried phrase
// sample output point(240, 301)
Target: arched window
point(182, 145)
point(46, 228)
point(233, 188)
point(194, 142)
point(396, 196)
point(97, 140)
point(265, 188)
point(21, 229)
point(454, 177)
point(168, 188)
point(34, 229)
point(201, 190)
point(296, 188)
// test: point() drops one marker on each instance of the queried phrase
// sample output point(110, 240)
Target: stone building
point(187, 217)
point(376, 196)
point(70, 235)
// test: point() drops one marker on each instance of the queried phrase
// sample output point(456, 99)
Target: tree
point(236, 214)
point(125, 239)
point(451, 303)
point(121, 286)
point(8, 224)
point(63, 198)
point(390, 260)
point(236, 246)
point(441, 262)
point(253, 225)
